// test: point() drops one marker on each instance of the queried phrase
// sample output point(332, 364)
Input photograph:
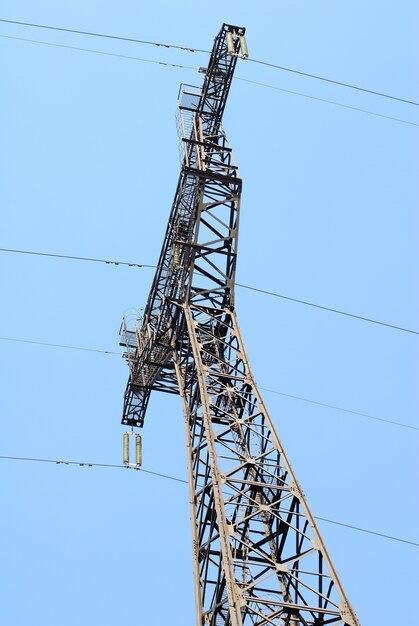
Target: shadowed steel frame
point(258, 555)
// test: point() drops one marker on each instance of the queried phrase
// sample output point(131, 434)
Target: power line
point(335, 82)
point(364, 530)
point(338, 104)
point(181, 480)
point(326, 308)
point(339, 408)
point(243, 286)
point(189, 67)
point(105, 36)
point(76, 258)
point(108, 54)
point(280, 393)
point(58, 345)
point(88, 464)
point(189, 49)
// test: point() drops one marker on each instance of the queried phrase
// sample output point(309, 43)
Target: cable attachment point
point(138, 450)
point(231, 38)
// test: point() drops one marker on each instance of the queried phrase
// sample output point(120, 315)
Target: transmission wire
point(335, 82)
point(280, 393)
point(189, 67)
point(59, 345)
point(189, 49)
point(326, 308)
point(76, 258)
point(88, 464)
point(339, 408)
point(243, 286)
point(180, 480)
point(104, 36)
point(108, 54)
point(338, 104)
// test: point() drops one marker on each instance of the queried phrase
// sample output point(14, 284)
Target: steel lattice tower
point(258, 555)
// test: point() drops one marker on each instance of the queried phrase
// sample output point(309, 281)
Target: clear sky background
point(89, 166)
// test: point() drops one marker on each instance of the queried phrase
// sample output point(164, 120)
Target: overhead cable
point(180, 480)
point(104, 36)
point(335, 82)
point(326, 308)
point(58, 345)
point(190, 67)
point(280, 393)
point(243, 286)
point(189, 49)
point(339, 408)
point(76, 258)
point(108, 54)
point(338, 104)
point(88, 464)
point(364, 530)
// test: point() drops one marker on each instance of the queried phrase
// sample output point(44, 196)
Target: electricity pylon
point(258, 555)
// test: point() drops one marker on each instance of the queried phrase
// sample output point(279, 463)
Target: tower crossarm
point(206, 158)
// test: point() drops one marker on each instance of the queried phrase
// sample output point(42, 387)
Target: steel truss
point(258, 555)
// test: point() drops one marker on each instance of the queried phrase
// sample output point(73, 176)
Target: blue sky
point(89, 166)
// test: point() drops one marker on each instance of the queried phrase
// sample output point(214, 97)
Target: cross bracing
point(258, 555)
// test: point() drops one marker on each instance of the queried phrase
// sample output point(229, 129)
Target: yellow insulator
point(176, 255)
point(243, 47)
point(138, 451)
point(126, 448)
point(230, 44)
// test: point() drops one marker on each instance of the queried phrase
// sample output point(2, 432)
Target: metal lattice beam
point(259, 558)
